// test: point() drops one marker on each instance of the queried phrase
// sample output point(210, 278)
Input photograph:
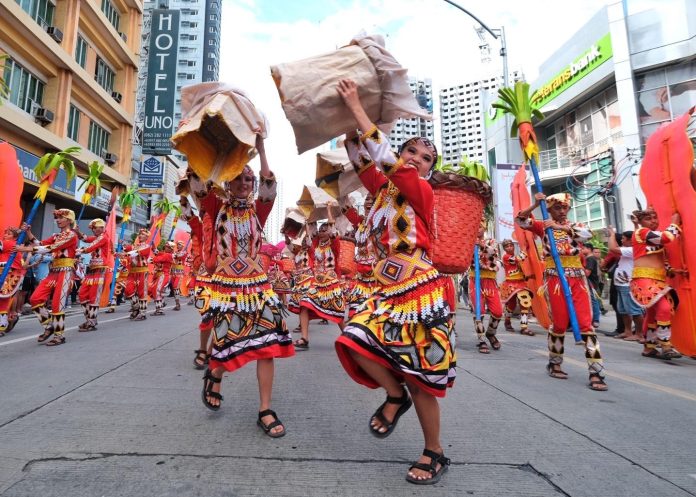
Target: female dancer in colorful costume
point(93, 283)
point(302, 273)
point(567, 237)
point(13, 281)
point(514, 289)
point(136, 283)
point(323, 297)
point(242, 308)
point(404, 333)
point(55, 287)
point(365, 283)
point(489, 261)
point(163, 262)
point(648, 286)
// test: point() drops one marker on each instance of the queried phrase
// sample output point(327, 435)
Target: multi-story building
point(71, 71)
point(198, 56)
point(408, 128)
point(462, 117)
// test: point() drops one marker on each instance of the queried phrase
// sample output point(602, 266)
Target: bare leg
point(264, 373)
point(387, 381)
point(428, 411)
point(304, 323)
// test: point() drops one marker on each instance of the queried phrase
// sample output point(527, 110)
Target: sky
point(429, 37)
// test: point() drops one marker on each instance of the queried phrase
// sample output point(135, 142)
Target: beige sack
point(218, 131)
point(335, 173)
point(315, 203)
point(307, 90)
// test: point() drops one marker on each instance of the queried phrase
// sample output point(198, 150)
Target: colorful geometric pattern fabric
point(324, 297)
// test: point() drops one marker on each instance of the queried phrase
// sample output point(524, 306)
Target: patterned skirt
point(510, 288)
point(246, 318)
point(301, 282)
point(324, 298)
point(364, 287)
point(406, 327)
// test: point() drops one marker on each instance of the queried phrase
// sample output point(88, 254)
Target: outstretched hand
point(348, 91)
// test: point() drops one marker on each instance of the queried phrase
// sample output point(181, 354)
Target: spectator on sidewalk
point(592, 272)
point(608, 266)
point(627, 307)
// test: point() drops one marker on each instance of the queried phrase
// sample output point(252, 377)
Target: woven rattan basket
point(346, 256)
point(459, 202)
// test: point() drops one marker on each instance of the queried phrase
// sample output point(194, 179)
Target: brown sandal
point(201, 359)
point(495, 343)
point(555, 371)
point(597, 383)
point(55, 341)
point(483, 348)
point(45, 336)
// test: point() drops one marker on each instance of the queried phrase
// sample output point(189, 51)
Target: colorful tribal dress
point(365, 284)
point(514, 289)
point(324, 295)
point(301, 276)
point(489, 261)
point(239, 304)
point(11, 284)
point(568, 247)
point(406, 325)
point(649, 289)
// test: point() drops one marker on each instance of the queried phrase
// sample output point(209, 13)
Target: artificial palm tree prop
point(518, 103)
point(165, 206)
point(47, 169)
point(176, 209)
point(93, 185)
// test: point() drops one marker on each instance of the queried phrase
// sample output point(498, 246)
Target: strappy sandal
point(555, 371)
point(44, 336)
point(208, 380)
point(669, 354)
point(404, 402)
point(202, 356)
point(650, 353)
point(55, 341)
point(493, 340)
point(483, 348)
point(140, 317)
point(301, 344)
point(527, 332)
point(431, 468)
point(597, 383)
point(268, 427)
point(12, 323)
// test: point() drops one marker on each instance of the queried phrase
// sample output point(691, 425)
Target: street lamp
point(498, 34)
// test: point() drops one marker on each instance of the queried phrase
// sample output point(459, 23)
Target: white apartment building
point(408, 128)
point(462, 118)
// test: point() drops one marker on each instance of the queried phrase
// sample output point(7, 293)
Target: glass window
point(599, 125)
point(81, 51)
point(682, 97)
point(111, 13)
point(613, 116)
point(104, 75)
point(98, 140)
point(24, 89)
point(681, 72)
point(650, 80)
point(42, 11)
point(73, 123)
point(646, 130)
point(612, 95)
point(653, 105)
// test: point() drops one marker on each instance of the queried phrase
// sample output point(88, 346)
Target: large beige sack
point(315, 204)
point(218, 131)
point(335, 173)
point(307, 90)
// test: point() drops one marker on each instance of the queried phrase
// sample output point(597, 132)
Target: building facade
point(408, 128)
point(602, 93)
point(71, 70)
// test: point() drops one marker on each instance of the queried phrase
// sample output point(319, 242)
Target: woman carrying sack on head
point(404, 333)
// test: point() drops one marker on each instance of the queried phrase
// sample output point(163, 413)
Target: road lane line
point(632, 379)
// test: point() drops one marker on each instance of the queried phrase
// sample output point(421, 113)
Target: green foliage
point(517, 103)
point(54, 161)
point(130, 197)
point(465, 167)
point(94, 172)
point(165, 206)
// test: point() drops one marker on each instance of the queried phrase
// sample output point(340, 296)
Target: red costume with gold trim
point(323, 297)
point(11, 284)
point(90, 292)
point(137, 280)
point(489, 262)
point(178, 272)
point(365, 284)
point(163, 263)
point(514, 290)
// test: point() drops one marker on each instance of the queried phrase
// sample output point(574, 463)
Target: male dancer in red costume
point(136, 284)
point(13, 281)
point(55, 288)
point(163, 266)
point(177, 273)
point(514, 289)
point(648, 286)
point(567, 237)
point(93, 283)
point(489, 261)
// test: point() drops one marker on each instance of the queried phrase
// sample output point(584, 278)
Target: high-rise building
point(462, 117)
point(70, 67)
point(408, 128)
point(198, 55)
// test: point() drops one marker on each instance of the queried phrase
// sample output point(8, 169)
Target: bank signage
point(160, 93)
point(577, 69)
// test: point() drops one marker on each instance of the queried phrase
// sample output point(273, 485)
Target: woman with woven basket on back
point(404, 333)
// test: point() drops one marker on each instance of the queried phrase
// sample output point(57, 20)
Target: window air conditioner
point(55, 33)
point(44, 116)
point(110, 158)
point(116, 96)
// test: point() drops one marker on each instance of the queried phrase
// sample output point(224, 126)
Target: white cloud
point(429, 37)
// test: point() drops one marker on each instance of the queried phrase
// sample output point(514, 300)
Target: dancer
point(243, 310)
point(8, 317)
point(136, 283)
point(404, 332)
point(163, 262)
point(489, 298)
point(567, 237)
point(323, 298)
point(92, 284)
point(56, 287)
point(177, 273)
point(515, 290)
point(649, 287)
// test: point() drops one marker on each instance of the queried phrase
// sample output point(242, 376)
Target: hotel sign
point(595, 56)
point(160, 93)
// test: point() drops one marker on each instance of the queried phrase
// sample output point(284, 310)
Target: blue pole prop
point(20, 241)
point(82, 211)
point(477, 283)
point(557, 260)
point(117, 262)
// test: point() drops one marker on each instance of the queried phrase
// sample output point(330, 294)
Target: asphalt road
point(117, 412)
